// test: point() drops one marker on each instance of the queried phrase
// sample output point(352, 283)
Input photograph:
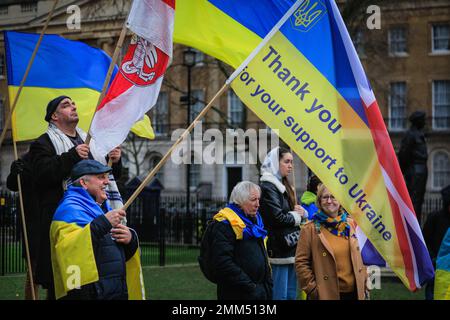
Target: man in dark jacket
point(53, 156)
point(89, 241)
point(412, 158)
point(434, 231)
point(239, 256)
point(22, 167)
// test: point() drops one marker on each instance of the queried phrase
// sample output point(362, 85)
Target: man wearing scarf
point(53, 156)
point(239, 255)
point(94, 256)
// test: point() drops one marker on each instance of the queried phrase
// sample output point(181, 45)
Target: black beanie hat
point(52, 105)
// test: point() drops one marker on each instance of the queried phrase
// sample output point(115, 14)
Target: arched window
point(441, 170)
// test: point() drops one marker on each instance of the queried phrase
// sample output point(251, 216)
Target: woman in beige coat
point(328, 260)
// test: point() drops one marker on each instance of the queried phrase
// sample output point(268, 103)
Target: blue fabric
point(284, 282)
point(337, 226)
point(55, 54)
point(311, 208)
point(251, 230)
point(78, 206)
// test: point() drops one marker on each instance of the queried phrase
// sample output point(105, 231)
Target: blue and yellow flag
point(72, 251)
point(61, 67)
point(442, 279)
point(305, 80)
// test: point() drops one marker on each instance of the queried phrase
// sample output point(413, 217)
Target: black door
point(234, 176)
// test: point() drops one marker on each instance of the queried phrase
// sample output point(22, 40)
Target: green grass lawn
point(187, 283)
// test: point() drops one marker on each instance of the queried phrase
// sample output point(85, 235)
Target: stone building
point(407, 61)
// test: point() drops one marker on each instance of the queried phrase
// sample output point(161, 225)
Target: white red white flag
point(135, 88)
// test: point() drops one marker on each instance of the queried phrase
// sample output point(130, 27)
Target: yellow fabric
point(28, 118)
point(235, 221)
point(201, 25)
point(442, 285)
point(71, 246)
point(135, 280)
point(344, 267)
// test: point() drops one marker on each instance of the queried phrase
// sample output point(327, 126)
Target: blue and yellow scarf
point(252, 229)
point(337, 226)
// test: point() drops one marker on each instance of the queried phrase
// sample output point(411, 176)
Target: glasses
point(326, 198)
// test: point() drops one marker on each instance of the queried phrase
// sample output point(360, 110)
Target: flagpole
point(168, 154)
point(24, 225)
point(123, 33)
point(25, 76)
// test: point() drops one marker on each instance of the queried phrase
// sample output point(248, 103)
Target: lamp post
point(188, 62)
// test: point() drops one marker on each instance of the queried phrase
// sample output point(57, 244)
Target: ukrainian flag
point(61, 67)
point(306, 80)
point(442, 279)
point(72, 253)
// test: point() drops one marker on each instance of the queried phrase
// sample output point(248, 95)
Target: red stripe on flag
point(404, 243)
point(141, 66)
point(387, 158)
point(170, 3)
point(385, 151)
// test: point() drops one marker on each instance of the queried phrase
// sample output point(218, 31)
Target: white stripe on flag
point(153, 20)
point(113, 121)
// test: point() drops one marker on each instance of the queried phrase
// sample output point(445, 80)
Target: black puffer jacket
point(110, 259)
point(241, 266)
point(281, 225)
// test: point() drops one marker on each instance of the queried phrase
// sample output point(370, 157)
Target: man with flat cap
point(94, 256)
point(53, 156)
point(413, 157)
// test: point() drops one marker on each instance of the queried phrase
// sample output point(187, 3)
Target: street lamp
point(189, 63)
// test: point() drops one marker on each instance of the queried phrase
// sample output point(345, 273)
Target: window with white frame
point(2, 65)
point(198, 97)
point(397, 106)
point(199, 57)
point(160, 114)
point(194, 173)
point(441, 38)
point(441, 104)
point(4, 10)
point(235, 109)
point(398, 44)
point(28, 7)
point(153, 162)
point(441, 169)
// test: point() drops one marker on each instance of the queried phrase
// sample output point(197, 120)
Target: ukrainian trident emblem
point(307, 15)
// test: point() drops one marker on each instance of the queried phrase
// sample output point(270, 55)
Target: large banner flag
point(135, 88)
point(61, 67)
point(224, 29)
point(307, 81)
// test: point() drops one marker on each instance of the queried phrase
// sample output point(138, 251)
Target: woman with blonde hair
point(328, 259)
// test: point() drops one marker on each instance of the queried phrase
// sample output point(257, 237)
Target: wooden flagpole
point(167, 155)
point(119, 45)
point(25, 76)
point(24, 225)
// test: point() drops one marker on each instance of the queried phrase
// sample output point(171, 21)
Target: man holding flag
point(53, 155)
